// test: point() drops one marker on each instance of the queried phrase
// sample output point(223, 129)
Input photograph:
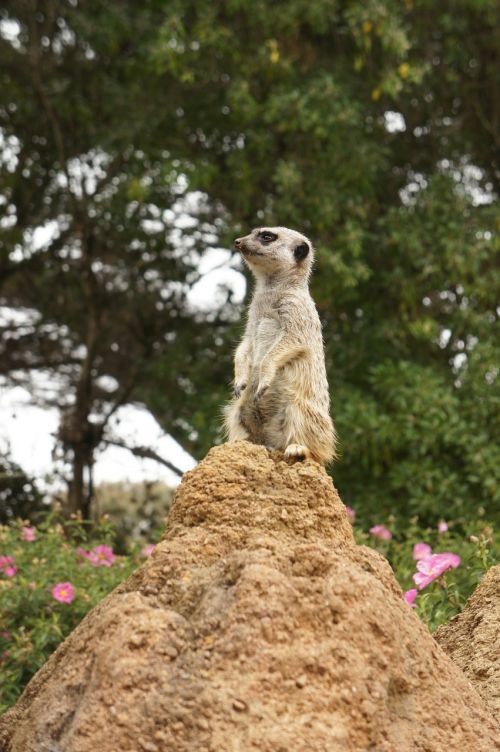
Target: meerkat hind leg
point(235, 429)
point(297, 452)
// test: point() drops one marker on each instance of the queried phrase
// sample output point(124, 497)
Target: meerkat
point(281, 396)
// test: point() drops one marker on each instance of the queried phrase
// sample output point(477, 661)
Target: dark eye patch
point(266, 237)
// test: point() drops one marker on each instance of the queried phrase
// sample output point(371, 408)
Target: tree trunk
point(76, 488)
point(80, 435)
point(89, 490)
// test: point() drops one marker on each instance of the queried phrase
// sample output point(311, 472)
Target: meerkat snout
point(301, 251)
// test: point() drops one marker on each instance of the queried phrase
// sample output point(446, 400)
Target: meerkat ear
point(301, 251)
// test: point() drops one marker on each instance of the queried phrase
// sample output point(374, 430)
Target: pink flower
point(148, 550)
point(64, 592)
point(7, 566)
point(350, 513)
point(410, 596)
point(421, 551)
point(442, 526)
point(28, 533)
point(100, 556)
point(379, 531)
point(433, 567)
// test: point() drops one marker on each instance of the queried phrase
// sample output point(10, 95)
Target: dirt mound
point(472, 639)
point(258, 624)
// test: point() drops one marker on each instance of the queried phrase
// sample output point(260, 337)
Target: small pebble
point(267, 628)
point(171, 652)
point(239, 705)
point(148, 746)
point(136, 640)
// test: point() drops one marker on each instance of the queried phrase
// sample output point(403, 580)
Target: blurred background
point(137, 139)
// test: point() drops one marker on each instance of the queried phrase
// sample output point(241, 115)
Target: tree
point(91, 258)
point(370, 126)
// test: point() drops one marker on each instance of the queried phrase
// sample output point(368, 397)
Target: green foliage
point(419, 413)
point(33, 621)
point(442, 599)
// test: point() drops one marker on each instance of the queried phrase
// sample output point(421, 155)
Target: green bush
point(33, 622)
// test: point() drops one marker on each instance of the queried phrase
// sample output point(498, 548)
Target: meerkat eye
point(267, 237)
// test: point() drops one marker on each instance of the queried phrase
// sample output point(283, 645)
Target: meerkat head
point(270, 251)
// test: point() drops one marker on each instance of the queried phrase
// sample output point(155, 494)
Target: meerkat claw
point(238, 389)
point(261, 390)
point(297, 452)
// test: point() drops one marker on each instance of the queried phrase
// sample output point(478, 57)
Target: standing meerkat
point(281, 397)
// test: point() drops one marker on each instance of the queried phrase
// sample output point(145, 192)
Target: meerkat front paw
point(260, 391)
point(297, 452)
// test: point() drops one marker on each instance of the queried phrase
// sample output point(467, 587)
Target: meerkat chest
point(267, 331)
point(265, 327)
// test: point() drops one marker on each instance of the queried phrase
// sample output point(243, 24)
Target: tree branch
point(145, 453)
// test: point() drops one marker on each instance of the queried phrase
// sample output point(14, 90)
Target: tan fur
point(281, 390)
